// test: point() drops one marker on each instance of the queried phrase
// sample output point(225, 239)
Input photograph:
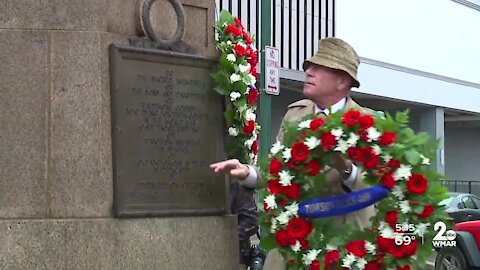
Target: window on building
point(470, 3)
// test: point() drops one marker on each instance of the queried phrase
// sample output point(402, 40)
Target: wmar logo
point(443, 238)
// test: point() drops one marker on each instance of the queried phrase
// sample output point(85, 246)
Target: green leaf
point(229, 116)
point(421, 138)
point(412, 156)
point(418, 209)
point(268, 243)
point(225, 17)
point(221, 90)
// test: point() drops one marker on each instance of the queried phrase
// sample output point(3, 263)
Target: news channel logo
point(443, 237)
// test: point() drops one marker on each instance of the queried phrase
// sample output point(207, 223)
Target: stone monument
point(62, 205)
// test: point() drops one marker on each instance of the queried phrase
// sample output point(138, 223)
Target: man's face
point(321, 82)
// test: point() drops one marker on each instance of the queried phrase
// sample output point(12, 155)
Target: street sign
point(272, 65)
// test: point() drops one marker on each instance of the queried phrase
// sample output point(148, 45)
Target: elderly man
point(330, 74)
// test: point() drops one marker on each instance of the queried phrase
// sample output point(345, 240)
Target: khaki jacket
point(333, 181)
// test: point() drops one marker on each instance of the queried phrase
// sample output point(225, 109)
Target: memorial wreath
point(394, 161)
point(235, 79)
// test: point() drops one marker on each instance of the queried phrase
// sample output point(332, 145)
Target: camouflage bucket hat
point(337, 54)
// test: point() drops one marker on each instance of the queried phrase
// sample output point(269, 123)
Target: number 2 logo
point(442, 233)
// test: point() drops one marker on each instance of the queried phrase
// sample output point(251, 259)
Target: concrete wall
point(462, 152)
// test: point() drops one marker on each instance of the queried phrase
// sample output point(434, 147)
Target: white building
point(422, 55)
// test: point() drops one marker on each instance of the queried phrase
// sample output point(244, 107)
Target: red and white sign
point(272, 65)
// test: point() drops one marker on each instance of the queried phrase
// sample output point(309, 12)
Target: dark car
point(462, 206)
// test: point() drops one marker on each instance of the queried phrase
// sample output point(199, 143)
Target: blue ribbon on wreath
point(342, 204)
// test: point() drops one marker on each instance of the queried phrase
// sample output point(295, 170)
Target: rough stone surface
point(54, 14)
point(24, 93)
point(155, 243)
point(81, 154)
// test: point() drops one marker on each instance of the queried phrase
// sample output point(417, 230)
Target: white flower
point(270, 202)
point(306, 187)
point(253, 158)
point(352, 139)
point(377, 149)
point(248, 143)
point(225, 25)
point(285, 178)
point(276, 147)
point(403, 172)
point(361, 262)
point(250, 115)
point(234, 95)
point(252, 79)
point(387, 232)
point(231, 57)
point(421, 229)
point(342, 146)
point(235, 77)
point(373, 134)
point(404, 207)
point(310, 256)
point(242, 108)
point(287, 154)
point(370, 248)
point(292, 209)
point(232, 131)
point(283, 218)
point(425, 160)
point(398, 192)
point(296, 248)
point(386, 157)
point(228, 41)
point(312, 142)
point(330, 247)
point(244, 68)
point(348, 260)
point(337, 132)
point(274, 226)
point(304, 124)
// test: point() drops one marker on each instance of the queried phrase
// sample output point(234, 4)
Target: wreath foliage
point(235, 79)
point(390, 154)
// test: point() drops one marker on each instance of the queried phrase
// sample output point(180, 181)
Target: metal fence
point(297, 25)
point(465, 186)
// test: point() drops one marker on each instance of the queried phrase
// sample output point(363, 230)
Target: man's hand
point(231, 167)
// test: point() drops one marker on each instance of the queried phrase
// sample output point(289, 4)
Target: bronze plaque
point(167, 127)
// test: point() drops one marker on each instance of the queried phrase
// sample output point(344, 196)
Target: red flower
point(283, 238)
point(372, 266)
point(292, 191)
point(291, 165)
point(240, 50)
point(275, 166)
point(299, 228)
point(253, 60)
point(304, 244)
point(300, 152)
point(248, 39)
point(235, 31)
point(351, 118)
point(363, 135)
point(249, 127)
point(357, 248)
point(313, 167)
point(417, 183)
point(387, 138)
point(316, 123)
point(274, 186)
point(370, 159)
point(254, 147)
point(388, 181)
point(391, 218)
point(403, 251)
point(405, 267)
point(331, 257)
point(366, 121)
point(265, 207)
point(291, 260)
point(328, 140)
point(282, 202)
point(253, 71)
point(355, 154)
point(252, 96)
point(385, 244)
point(315, 265)
point(427, 211)
point(238, 22)
point(393, 163)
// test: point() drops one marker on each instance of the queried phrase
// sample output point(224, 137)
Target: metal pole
point(265, 99)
